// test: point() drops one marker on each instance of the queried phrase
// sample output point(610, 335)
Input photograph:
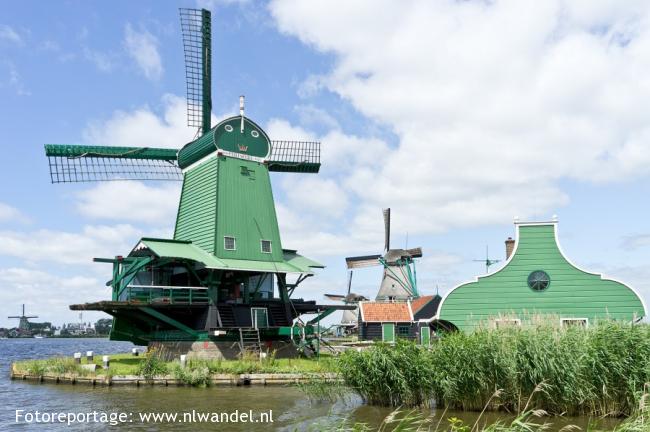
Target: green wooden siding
point(246, 211)
point(572, 293)
point(196, 220)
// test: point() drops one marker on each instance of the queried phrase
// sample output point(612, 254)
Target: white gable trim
point(554, 223)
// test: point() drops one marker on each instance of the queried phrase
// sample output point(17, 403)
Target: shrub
point(151, 365)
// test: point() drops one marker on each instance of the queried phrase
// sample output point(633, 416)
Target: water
point(291, 409)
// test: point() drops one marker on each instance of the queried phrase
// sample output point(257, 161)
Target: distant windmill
point(349, 318)
point(399, 278)
point(23, 324)
point(487, 261)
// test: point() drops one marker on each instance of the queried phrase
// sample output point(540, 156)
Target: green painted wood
point(425, 336)
point(572, 293)
point(246, 211)
point(196, 219)
point(388, 332)
point(227, 136)
point(151, 153)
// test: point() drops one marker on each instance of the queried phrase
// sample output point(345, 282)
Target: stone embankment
point(169, 380)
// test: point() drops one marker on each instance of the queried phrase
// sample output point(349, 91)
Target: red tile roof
point(420, 302)
point(385, 312)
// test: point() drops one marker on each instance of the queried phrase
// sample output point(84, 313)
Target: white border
point(554, 223)
point(270, 246)
point(420, 329)
point(200, 162)
point(267, 316)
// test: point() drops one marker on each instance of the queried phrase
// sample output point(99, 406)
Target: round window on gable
point(539, 280)
point(228, 128)
point(255, 133)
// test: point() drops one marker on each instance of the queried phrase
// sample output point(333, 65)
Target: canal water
point(291, 408)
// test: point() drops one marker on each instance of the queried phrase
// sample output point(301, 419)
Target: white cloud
point(636, 241)
point(321, 195)
point(9, 34)
point(143, 127)
point(493, 103)
point(72, 248)
point(35, 288)
point(13, 79)
point(214, 4)
point(131, 201)
point(10, 214)
point(103, 61)
point(142, 47)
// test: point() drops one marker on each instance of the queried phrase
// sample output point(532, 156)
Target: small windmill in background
point(487, 261)
point(23, 324)
point(350, 317)
point(399, 281)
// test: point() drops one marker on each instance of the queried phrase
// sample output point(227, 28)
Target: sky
point(459, 116)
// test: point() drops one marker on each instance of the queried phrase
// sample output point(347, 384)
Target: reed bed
point(596, 371)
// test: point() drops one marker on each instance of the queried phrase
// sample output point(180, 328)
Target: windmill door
point(260, 317)
point(388, 332)
point(425, 336)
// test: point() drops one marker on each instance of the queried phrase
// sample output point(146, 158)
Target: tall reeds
point(600, 370)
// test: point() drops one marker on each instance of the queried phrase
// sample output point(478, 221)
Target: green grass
point(53, 366)
point(598, 371)
point(126, 364)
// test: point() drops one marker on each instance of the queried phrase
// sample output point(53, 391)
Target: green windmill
point(224, 279)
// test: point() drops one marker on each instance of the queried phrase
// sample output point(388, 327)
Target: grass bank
point(149, 366)
point(598, 371)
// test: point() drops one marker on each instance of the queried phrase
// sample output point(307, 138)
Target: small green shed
point(538, 280)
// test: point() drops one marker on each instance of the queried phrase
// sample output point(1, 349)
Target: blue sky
point(459, 116)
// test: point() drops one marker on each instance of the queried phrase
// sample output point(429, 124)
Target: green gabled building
point(538, 281)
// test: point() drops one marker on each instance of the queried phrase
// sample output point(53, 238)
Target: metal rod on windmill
point(487, 261)
point(241, 112)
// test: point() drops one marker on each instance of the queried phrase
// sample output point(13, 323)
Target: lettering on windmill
point(242, 147)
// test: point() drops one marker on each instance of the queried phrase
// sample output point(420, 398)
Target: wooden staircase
point(278, 315)
point(226, 314)
point(249, 341)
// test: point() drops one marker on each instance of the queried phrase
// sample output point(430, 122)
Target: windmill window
point(403, 331)
point(266, 246)
point(228, 128)
point(539, 280)
point(255, 134)
point(229, 243)
point(574, 322)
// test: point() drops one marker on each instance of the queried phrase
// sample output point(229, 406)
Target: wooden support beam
point(171, 321)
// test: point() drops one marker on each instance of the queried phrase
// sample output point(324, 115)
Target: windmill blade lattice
point(77, 163)
point(295, 156)
point(196, 27)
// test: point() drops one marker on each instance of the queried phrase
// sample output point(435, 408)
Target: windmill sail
point(80, 163)
point(386, 229)
point(362, 261)
point(295, 156)
point(197, 44)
